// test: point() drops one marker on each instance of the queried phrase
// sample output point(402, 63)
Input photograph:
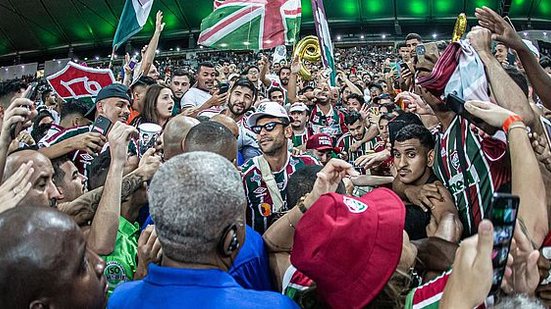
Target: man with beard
point(241, 97)
point(276, 94)
point(299, 119)
point(355, 136)
point(412, 40)
point(200, 96)
point(113, 103)
point(69, 182)
point(179, 83)
point(43, 191)
point(324, 118)
point(265, 176)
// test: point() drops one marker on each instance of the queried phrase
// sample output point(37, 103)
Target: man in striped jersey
point(299, 120)
point(112, 103)
point(352, 143)
point(265, 176)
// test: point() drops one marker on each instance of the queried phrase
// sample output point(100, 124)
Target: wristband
point(509, 121)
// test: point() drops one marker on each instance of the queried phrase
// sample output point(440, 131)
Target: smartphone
point(101, 125)
point(457, 105)
point(223, 88)
point(503, 214)
point(29, 94)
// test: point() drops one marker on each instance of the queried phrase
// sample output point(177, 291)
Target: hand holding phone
point(101, 125)
point(503, 214)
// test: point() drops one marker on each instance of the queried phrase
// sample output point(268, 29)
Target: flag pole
point(111, 59)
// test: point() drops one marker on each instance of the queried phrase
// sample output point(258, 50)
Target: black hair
point(39, 131)
point(400, 45)
point(203, 118)
point(245, 82)
point(352, 117)
point(45, 93)
point(283, 67)
point(143, 81)
point(59, 174)
point(415, 131)
point(75, 106)
point(376, 85)
point(11, 86)
point(545, 62)
point(182, 72)
point(519, 78)
point(98, 169)
point(213, 137)
point(358, 97)
point(274, 89)
point(205, 64)
point(401, 121)
point(413, 36)
point(302, 182)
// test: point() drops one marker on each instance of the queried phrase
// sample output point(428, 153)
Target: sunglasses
point(269, 127)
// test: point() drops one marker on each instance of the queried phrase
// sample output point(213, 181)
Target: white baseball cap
point(271, 109)
point(298, 107)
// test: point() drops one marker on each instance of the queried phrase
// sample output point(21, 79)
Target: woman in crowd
point(158, 105)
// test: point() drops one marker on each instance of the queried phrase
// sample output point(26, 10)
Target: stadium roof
point(45, 26)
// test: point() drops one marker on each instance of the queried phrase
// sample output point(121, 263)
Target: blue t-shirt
point(251, 268)
point(166, 287)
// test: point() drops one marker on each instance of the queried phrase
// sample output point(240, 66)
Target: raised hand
point(159, 25)
point(500, 28)
point(16, 187)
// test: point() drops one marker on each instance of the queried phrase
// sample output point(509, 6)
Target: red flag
point(77, 81)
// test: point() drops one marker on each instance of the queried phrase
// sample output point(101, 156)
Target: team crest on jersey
point(259, 190)
point(316, 118)
point(114, 273)
point(256, 178)
point(86, 157)
point(354, 206)
point(454, 160)
point(265, 209)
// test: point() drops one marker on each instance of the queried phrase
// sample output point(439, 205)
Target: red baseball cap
point(320, 141)
point(350, 246)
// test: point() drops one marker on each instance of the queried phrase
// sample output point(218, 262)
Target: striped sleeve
point(428, 295)
point(65, 134)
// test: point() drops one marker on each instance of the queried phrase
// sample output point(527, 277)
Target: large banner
point(322, 30)
point(76, 81)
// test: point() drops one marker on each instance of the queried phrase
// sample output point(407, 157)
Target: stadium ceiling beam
point(108, 4)
point(183, 15)
point(26, 21)
point(99, 15)
point(531, 11)
point(395, 7)
point(54, 20)
point(79, 13)
point(8, 39)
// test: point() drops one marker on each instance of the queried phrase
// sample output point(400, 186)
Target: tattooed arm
point(84, 207)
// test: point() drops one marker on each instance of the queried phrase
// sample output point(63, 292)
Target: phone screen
point(503, 215)
point(101, 125)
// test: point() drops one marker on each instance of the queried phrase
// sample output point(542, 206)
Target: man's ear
point(430, 158)
point(99, 106)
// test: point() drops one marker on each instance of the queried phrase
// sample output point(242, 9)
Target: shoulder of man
point(248, 167)
point(65, 134)
point(305, 159)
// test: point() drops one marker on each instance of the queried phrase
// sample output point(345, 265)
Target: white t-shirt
point(194, 97)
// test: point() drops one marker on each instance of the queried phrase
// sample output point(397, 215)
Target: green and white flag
point(251, 24)
point(133, 18)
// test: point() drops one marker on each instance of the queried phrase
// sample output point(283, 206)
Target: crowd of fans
point(239, 182)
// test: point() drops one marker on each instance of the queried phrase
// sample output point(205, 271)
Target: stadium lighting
point(525, 34)
point(85, 58)
point(362, 37)
point(58, 62)
point(545, 33)
point(22, 66)
point(434, 35)
point(157, 51)
point(97, 57)
point(221, 45)
point(338, 37)
point(201, 47)
point(6, 69)
point(383, 36)
point(177, 48)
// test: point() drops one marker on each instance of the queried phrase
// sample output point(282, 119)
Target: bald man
point(228, 122)
point(175, 133)
point(43, 191)
point(45, 262)
point(213, 137)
